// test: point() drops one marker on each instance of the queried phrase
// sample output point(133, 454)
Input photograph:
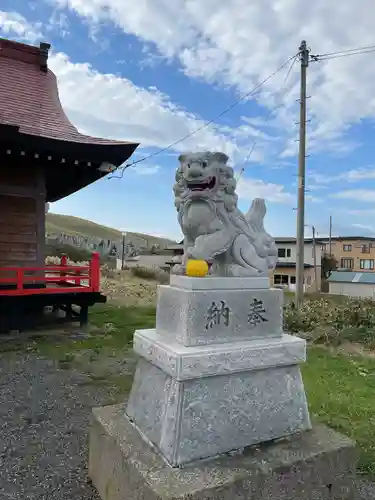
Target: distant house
point(353, 253)
point(176, 252)
point(352, 284)
point(149, 261)
point(284, 274)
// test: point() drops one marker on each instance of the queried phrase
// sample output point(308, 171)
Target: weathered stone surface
point(185, 363)
point(315, 465)
point(215, 230)
point(199, 317)
point(203, 417)
point(219, 283)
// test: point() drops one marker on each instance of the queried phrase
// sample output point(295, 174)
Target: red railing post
point(63, 263)
point(95, 272)
point(19, 279)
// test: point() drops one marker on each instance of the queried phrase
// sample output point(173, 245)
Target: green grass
point(340, 392)
point(113, 331)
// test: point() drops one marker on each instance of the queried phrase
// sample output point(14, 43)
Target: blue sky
point(154, 71)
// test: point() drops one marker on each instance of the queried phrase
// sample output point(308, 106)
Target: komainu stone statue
point(214, 229)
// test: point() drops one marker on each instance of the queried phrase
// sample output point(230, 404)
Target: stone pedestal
point(315, 465)
point(197, 311)
point(199, 402)
point(217, 374)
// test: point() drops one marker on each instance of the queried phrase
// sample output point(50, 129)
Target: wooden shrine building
point(43, 158)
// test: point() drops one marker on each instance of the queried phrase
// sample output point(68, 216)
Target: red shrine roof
point(29, 99)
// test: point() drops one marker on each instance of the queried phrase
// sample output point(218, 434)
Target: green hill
point(56, 224)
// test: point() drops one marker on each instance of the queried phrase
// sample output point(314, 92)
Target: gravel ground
point(44, 419)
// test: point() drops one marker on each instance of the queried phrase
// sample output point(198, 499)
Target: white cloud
point(364, 226)
point(59, 21)
point(142, 169)
point(238, 43)
point(359, 174)
point(12, 23)
point(317, 181)
point(109, 105)
point(367, 195)
point(366, 212)
point(248, 189)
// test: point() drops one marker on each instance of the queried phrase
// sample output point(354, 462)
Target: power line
point(274, 109)
point(290, 70)
point(318, 58)
point(226, 110)
point(345, 51)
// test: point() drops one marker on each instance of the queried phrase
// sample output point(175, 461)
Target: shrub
point(73, 253)
point(331, 322)
point(148, 273)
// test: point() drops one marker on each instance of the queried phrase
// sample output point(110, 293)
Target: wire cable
point(206, 124)
point(345, 51)
point(317, 58)
point(272, 110)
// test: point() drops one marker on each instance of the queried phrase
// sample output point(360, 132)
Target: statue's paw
point(214, 269)
point(178, 269)
point(236, 271)
point(189, 253)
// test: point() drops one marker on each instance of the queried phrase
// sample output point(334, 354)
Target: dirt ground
point(122, 288)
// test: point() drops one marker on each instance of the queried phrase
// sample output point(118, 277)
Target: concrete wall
point(351, 251)
point(308, 253)
point(290, 273)
point(150, 261)
point(353, 289)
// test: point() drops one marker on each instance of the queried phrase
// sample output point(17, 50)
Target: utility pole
point(304, 58)
point(330, 236)
point(314, 257)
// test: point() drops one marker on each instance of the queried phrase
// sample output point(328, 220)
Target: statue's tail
point(255, 217)
point(256, 214)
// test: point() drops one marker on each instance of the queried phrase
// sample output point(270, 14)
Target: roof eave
point(111, 152)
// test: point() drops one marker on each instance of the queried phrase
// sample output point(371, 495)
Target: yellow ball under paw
point(196, 268)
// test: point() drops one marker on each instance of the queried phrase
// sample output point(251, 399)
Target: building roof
point(349, 238)
point(351, 277)
point(290, 265)
point(179, 246)
point(31, 113)
point(286, 239)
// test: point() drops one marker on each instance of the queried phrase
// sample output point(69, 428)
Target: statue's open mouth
point(202, 186)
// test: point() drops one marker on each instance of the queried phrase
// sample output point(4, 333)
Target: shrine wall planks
point(22, 216)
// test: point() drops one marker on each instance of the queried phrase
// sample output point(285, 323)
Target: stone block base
point(205, 317)
point(315, 465)
point(203, 417)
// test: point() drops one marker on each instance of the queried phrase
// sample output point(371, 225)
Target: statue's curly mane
point(236, 244)
point(226, 193)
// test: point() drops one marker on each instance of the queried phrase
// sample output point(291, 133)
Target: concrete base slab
point(315, 465)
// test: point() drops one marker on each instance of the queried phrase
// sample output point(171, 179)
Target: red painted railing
point(53, 279)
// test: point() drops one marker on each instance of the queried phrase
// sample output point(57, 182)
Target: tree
point(329, 264)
